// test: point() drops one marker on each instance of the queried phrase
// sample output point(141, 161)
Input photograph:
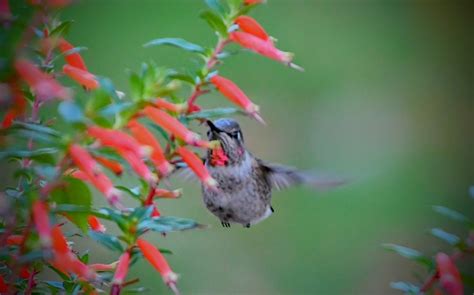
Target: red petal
point(82, 77)
point(73, 59)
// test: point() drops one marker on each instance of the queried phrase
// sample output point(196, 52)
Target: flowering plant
point(89, 134)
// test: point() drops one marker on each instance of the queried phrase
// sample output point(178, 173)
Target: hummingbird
point(245, 182)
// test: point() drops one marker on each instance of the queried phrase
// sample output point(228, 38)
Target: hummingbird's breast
point(243, 194)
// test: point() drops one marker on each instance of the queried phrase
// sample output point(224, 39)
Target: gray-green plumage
point(245, 183)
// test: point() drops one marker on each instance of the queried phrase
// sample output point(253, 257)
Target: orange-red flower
point(17, 108)
point(251, 26)
point(118, 139)
point(145, 137)
point(41, 221)
point(112, 165)
point(103, 267)
point(42, 84)
point(15, 240)
point(3, 285)
point(168, 106)
point(230, 90)
point(158, 261)
point(261, 46)
point(196, 165)
point(171, 125)
point(73, 59)
point(122, 269)
point(167, 194)
point(155, 212)
point(449, 276)
point(64, 260)
point(86, 79)
point(95, 224)
point(78, 174)
point(5, 12)
point(138, 165)
point(92, 173)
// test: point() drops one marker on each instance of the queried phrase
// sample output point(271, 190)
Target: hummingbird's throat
point(218, 157)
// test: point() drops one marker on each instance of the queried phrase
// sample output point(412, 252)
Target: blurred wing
point(282, 177)
point(184, 172)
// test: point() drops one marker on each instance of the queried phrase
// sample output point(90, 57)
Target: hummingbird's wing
point(281, 177)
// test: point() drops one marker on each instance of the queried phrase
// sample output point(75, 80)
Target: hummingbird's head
point(228, 133)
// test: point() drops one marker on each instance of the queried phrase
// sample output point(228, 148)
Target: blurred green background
point(386, 99)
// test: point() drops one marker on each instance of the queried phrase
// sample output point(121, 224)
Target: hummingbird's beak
point(213, 127)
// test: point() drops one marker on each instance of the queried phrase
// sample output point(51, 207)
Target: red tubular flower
point(24, 273)
point(113, 166)
point(254, 2)
point(145, 137)
point(166, 194)
point(44, 86)
point(3, 286)
point(122, 269)
point(15, 240)
point(82, 77)
point(18, 107)
point(41, 220)
point(95, 224)
point(230, 90)
point(73, 59)
point(64, 260)
point(83, 160)
point(171, 125)
point(262, 47)
point(103, 267)
point(118, 139)
point(156, 259)
point(449, 276)
point(78, 174)
point(251, 26)
point(168, 106)
point(138, 165)
point(89, 167)
point(196, 165)
point(5, 12)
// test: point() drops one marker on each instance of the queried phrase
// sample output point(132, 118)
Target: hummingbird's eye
point(235, 134)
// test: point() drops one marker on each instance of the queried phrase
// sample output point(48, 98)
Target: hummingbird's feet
point(225, 224)
point(271, 208)
point(247, 225)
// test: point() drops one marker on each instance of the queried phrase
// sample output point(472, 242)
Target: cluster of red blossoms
point(57, 165)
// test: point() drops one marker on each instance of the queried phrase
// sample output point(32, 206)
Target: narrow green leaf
point(107, 85)
point(36, 128)
point(453, 214)
point(215, 22)
point(177, 42)
point(408, 288)
point(54, 284)
point(62, 29)
point(43, 155)
point(74, 192)
point(136, 86)
point(445, 236)
point(134, 192)
point(217, 6)
point(71, 112)
point(168, 224)
point(182, 77)
point(410, 254)
point(106, 240)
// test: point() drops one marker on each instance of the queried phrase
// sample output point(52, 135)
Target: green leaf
point(410, 254)
point(62, 29)
point(135, 290)
point(36, 128)
point(177, 42)
point(408, 288)
point(54, 284)
point(134, 192)
point(214, 113)
point(215, 22)
point(107, 85)
point(182, 77)
point(43, 155)
point(106, 240)
point(141, 213)
point(115, 216)
point(217, 6)
point(98, 100)
point(445, 236)
point(47, 172)
point(168, 224)
point(453, 214)
point(71, 112)
point(471, 192)
point(136, 86)
point(68, 208)
point(74, 192)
